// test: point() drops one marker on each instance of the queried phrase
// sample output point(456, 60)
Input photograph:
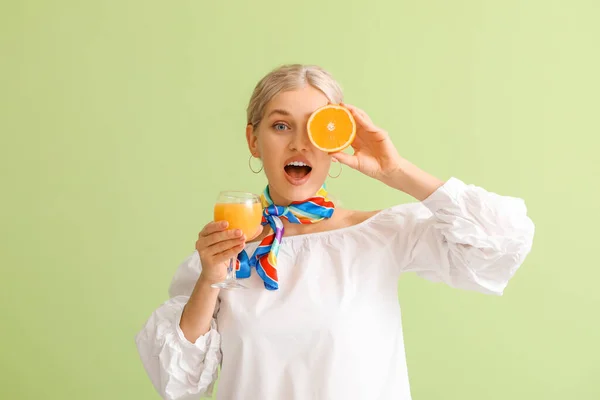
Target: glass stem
point(230, 271)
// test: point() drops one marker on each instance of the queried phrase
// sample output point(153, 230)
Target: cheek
point(324, 163)
point(269, 143)
point(270, 154)
point(271, 166)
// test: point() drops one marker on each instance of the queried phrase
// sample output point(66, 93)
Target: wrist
point(202, 292)
point(205, 281)
point(412, 180)
point(399, 176)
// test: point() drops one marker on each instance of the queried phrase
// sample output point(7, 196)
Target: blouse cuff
point(203, 342)
point(447, 193)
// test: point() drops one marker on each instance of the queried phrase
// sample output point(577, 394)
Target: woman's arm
point(412, 180)
point(198, 312)
point(464, 236)
point(459, 234)
point(182, 365)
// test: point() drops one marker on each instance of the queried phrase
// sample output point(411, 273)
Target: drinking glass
point(242, 211)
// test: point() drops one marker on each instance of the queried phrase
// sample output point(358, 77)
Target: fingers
point(347, 159)
point(226, 245)
point(228, 254)
point(361, 117)
point(219, 252)
point(357, 142)
point(213, 227)
point(220, 236)
point(215, 244)
point(258, 232)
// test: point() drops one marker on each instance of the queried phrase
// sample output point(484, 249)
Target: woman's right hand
point(216, 245)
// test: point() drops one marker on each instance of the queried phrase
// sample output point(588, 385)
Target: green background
point(121, 120)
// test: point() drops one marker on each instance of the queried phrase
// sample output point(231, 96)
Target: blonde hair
point(290, 77)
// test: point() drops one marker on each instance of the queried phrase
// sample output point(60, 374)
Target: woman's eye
point(280, 127)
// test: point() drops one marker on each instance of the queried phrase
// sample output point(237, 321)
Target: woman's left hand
point(376, 156)
point(374, 153)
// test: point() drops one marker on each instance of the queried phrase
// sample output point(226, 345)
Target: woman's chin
point(292, 191)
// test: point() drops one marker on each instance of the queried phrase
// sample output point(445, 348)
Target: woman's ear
point(252, 141)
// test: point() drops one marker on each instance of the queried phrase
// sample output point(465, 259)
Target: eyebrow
point(279, 111)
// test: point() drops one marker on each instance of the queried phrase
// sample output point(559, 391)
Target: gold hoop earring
point(250, 165)
point(338, 174)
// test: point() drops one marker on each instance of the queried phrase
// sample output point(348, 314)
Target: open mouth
point(297, 170)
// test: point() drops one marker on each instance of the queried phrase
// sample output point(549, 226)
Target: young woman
point(327, 324)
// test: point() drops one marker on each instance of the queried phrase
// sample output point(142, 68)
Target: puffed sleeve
point(178, 368)
point(464, 236)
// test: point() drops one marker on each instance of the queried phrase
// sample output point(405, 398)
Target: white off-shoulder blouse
point(333, 329)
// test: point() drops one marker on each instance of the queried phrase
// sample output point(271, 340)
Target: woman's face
point(294, 167)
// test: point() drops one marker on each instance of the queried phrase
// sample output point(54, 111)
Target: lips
point(297, 170)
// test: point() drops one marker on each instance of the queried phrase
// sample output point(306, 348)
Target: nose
point(299, 140)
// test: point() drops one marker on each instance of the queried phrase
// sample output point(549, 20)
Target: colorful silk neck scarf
point(264, 258)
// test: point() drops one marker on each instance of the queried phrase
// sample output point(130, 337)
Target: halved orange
point(331, 128)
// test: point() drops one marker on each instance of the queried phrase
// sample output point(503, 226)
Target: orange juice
point(245, 216)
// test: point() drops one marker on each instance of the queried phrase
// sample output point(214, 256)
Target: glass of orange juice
point(242, 211)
